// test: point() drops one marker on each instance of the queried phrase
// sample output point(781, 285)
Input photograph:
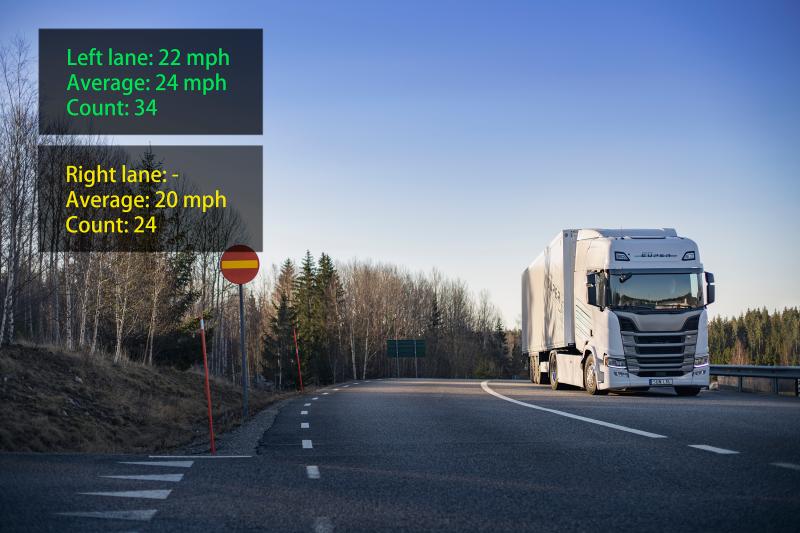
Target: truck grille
point(659, 353)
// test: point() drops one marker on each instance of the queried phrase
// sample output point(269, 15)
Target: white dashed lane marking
point(306, 405)
point(176, 464)
point(323, 524)
point(147, 494)
point(315, 398)
point(303, 425)
point(344, 386)
point(312, 472)
point(143, 515)
point(333, 389)
point(713, 449)
point(325, 393)
point(303, 412)
point(790, 466)
point(307, 444)
point(172, 478)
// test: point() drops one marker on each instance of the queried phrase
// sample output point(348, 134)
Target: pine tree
point(331, 295)
point(501, 347)
point(307, 302)
point(279, 340)
point(151, 242)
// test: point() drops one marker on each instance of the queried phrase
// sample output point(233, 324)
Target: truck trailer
point(618, 309)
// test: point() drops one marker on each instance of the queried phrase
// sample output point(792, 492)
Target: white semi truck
point(618, 309)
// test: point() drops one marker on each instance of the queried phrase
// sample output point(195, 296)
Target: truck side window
point(601, 282)
point(591, 288)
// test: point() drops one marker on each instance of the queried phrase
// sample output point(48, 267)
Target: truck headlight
point(701, 360)
point(615, 362)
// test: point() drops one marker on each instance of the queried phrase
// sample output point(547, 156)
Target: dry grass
point(59, 402)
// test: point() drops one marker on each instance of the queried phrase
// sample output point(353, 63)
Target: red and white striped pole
point(297, 355)
point(208, 388)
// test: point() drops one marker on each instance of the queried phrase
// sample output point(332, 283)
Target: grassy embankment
point(59, 402)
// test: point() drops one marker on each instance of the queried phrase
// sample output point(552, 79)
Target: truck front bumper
point(620, 378)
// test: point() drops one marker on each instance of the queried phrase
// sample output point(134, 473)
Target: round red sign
point(239, 264)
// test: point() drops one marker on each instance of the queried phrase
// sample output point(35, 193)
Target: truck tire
point(687, 391)
point(553, 374)
point(534, 364)
point(590, 378)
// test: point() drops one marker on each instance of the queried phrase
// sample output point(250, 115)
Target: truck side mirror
point(591, 289)
point(711, 292)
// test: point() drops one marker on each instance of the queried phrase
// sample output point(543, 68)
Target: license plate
point(661, 381)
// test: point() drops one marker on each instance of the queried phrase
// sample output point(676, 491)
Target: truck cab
point(642, 312)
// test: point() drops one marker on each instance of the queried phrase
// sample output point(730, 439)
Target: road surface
point(447, 455)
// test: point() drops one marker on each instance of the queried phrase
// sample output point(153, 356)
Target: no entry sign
point(239, 264)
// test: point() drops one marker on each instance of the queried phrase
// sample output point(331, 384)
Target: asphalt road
point(417, 455)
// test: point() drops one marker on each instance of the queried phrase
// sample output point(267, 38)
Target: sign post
point(297, 355)
point(208, 388)
point(239, 265)
point(398, 348)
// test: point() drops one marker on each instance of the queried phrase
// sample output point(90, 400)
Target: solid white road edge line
point(307, 444)
point(303, 425)
point(199, 456)
point(714, 449)
point(145, 514)
point(176, 464)
point(790, 466)
point(312, 471)
point(172, 478)
point(485, 386)
point(149, 494)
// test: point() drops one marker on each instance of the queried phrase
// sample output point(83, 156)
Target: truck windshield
point(655, 291)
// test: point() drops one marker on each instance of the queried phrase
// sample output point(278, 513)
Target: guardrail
point(760, 371)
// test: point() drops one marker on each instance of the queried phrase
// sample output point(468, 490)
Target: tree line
point(756, 337)
point(343, 317)
point(145, 306)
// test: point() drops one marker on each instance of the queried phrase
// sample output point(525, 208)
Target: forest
point(756, 337)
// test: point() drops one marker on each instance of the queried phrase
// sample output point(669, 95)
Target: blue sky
point(464, 135)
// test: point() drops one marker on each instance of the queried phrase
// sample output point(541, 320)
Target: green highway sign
point(405, 348)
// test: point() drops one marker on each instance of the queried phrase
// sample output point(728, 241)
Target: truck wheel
point(534, 364)
point(687, 391)
point(554, 384)
point(590, 379)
